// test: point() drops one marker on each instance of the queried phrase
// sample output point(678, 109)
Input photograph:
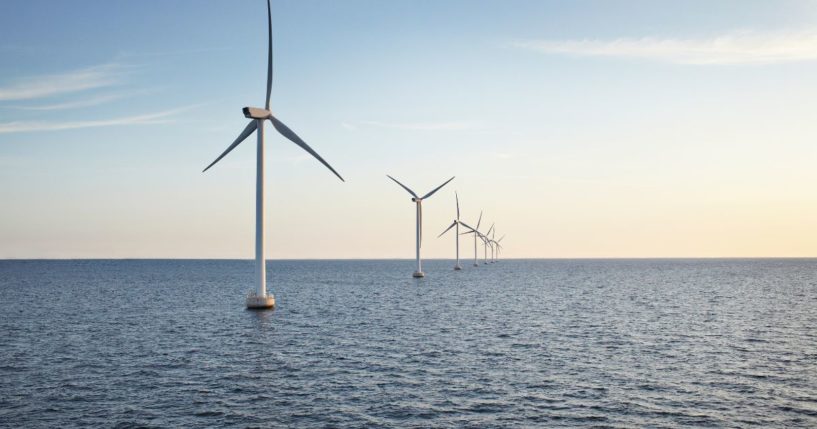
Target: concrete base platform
point(418, 274)
point(256, 302)
point(457, 267)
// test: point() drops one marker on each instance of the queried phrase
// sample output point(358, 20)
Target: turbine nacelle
point(256, 113)
point(416, 200)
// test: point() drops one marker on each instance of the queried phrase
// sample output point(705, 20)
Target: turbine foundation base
point(258, 302)
point(418, 274)
point(457, 267)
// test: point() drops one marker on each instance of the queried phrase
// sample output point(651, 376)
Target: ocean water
point(520, 343)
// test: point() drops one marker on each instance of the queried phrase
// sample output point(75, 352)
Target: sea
point(360, 343)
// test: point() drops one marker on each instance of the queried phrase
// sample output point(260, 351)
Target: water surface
point(520, 343)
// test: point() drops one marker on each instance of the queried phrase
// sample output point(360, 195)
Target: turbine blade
point(436, 189)
point(447, 229)
point(286, 132)
point(458, 204)
point(269, 56)
point(403, 186)
point(480, 219)
point(500, 239)
point(244, 134)
point(466, 225)
point(489, 230)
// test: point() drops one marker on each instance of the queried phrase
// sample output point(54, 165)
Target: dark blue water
point(660, 343)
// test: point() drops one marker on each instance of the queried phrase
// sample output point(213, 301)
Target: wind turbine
point(456, 223)
point(257, 116)
point(484, 239)
point(485, 242)
point(493, 248)
point(476, 234)
point(419, 202)
point(498, 247)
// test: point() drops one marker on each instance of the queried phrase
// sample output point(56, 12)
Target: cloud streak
point(423, 126)
point(163, 117)
point(62, 83)
point(737, 48)
point(88, 102)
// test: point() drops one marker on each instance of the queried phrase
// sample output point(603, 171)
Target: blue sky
point(583, 129)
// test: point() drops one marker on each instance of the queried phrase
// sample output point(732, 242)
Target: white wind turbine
point(476, 233)
point(457, 223)
point(485, 243)
point(498, 248)
point(257, 116)
point(493, 247)
point(419, 202)
point(484, 239)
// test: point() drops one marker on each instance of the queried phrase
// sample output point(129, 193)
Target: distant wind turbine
point(419, 202)
point(257, 116)
point(476, 233)
point(457, 224)
point(484, 239)
point(493, 247)
point(498, 248)
point(486, 243)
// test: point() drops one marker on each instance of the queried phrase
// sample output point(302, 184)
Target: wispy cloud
point(87, 102)
point(737, 48)
point(424, 126)
point(62, 83)
point(162, 117)
point(178, 52)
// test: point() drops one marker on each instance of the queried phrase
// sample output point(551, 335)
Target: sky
point(582, 129)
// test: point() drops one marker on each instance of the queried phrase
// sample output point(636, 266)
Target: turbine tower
point(493, 248)
point(260, 299)
point(419, 202)
point(456, 223)
point(476, 233)
point(485, 244)
point(498, 247)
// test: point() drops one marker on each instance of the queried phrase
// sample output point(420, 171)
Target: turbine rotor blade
point(466, 225)
point(269, 55)
point(458, 204)
point(480, 219)
point(289, 134)
point(403, 186)
point(244, 134)
point(447, 229)
point(436, 189)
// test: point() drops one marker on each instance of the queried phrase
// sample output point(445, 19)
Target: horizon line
point(588, 258)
